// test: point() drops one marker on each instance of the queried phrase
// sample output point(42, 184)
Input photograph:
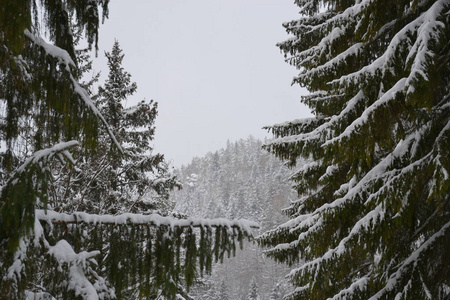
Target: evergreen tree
point(132, 181)
point(253, 293)
point(223, 293)
point(373, 216)
point(276, 293)
point(211, 294)
point(46, 113)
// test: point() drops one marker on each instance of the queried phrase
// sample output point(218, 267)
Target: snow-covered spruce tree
point(132, 181)
point(45, 254)
point(224, 291)
point(373, 216)
point(253, 293)
point(276, 293)
point(134, 128)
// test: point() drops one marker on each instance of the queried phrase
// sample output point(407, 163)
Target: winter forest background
point(240, 181)
point(89, 211)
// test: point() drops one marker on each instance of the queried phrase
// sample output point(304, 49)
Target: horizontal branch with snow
point(144, 220)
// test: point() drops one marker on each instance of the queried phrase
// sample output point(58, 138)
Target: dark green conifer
point(42, 102)
point(373, 216)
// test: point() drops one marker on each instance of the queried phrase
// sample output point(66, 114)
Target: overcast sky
point(212, 66)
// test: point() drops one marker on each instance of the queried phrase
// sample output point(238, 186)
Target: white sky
point(212, 66)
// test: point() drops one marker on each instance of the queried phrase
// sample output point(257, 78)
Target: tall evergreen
point(373, 216)
point(118, 87)
point(134, 180)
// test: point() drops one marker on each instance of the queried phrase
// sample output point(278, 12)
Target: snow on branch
point(426, 26)
point(326, 127)
point(426, 34)
point(52, 50)
point(87, 100)
point(64, 58)
point(341, 248)
point(379, 171)
point(144, 220)
point(24, 187)
point(309, 223)
point(78, 282)
point(332, 63)
point(171, 252)
point(411, 260)
point(390, 95)
point(348, 13)
point(359, 284)
point(47, 154)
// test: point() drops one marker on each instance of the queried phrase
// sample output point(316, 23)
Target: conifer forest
point(351, 203)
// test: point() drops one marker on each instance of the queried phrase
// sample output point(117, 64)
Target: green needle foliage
point(373, 216)
point(129, 256)
point(19, 194)
point(41, 101)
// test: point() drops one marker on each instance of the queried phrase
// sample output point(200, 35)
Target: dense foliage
point(41, 98)
point(45, 113)
point(128, 256)
point(373, 216)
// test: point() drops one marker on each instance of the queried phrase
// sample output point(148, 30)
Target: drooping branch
point(24, 188)
point(152, 253)
point(64, 58)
